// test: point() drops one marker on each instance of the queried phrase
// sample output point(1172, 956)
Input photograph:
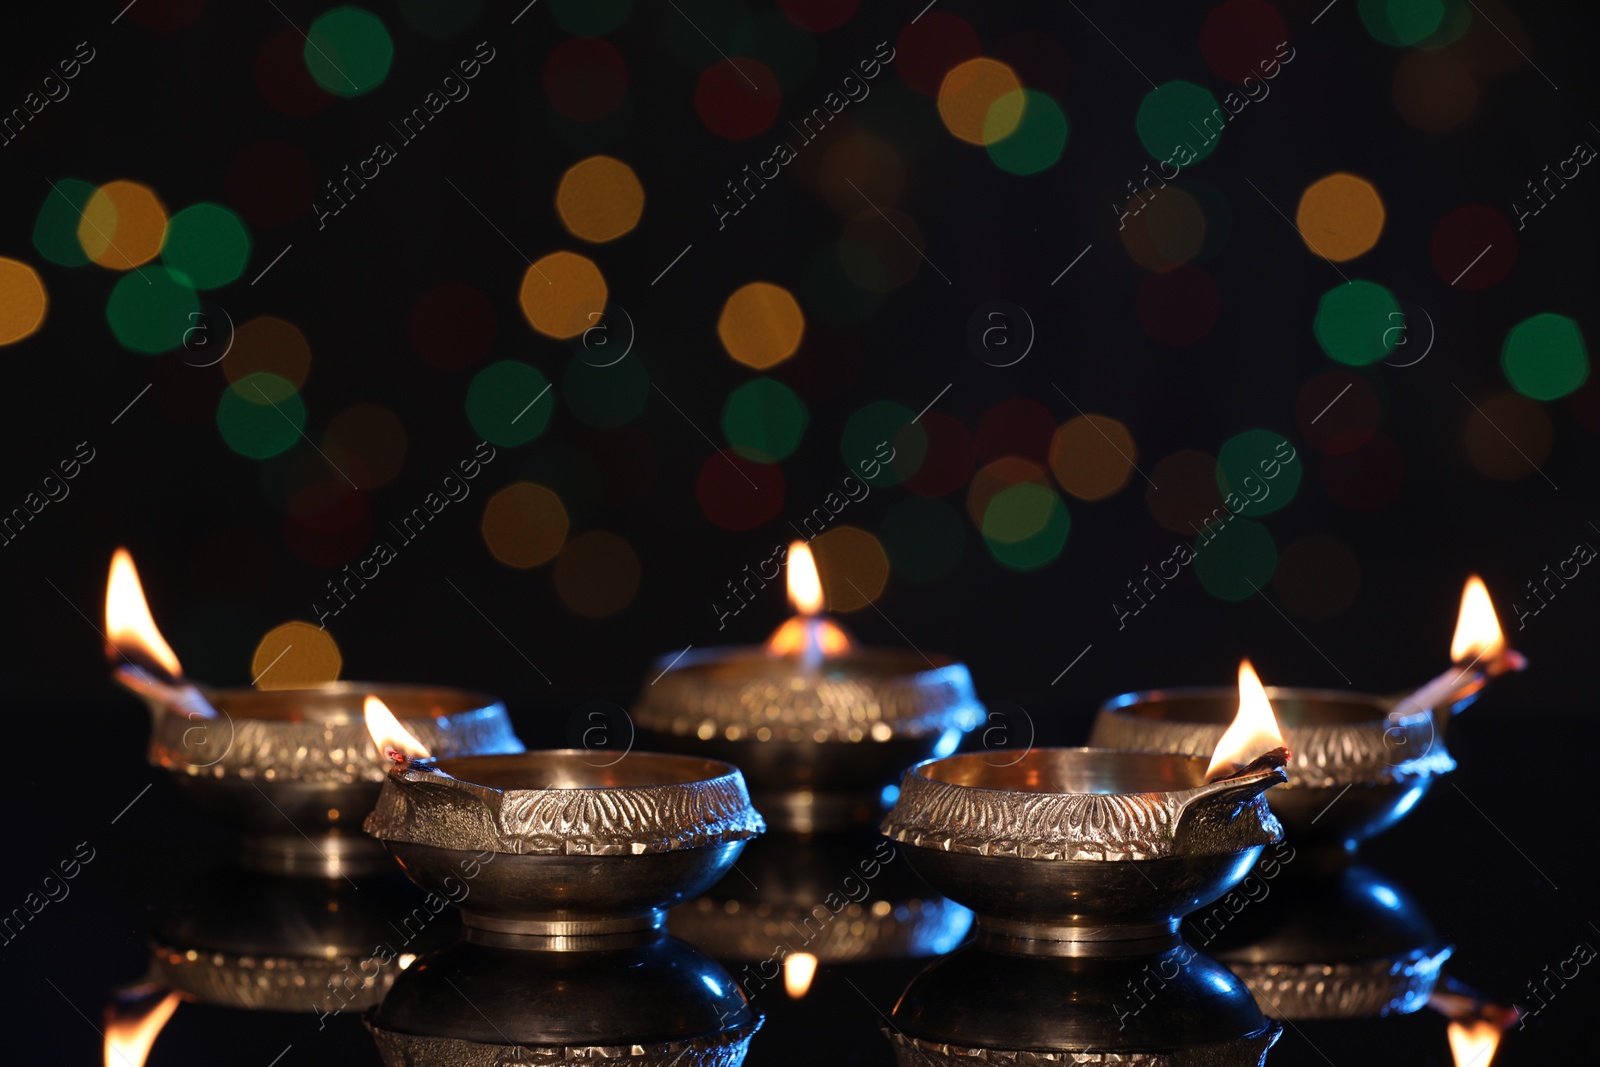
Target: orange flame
point(807, 635)
point(393, 740)
point(799, 969)
point(1254, 730)
point(129, 627)
point(1478, 635)
point(1473, 1044)
point(128, 1040)
point(805, 584)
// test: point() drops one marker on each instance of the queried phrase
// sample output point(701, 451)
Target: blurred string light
point(1473, 247)
point(853, 566)
point(1237, 35)
point(923, 538)
point(1188, 490)
point(764, 420)
point(348, 51)
point(737, 98)
point(788, 50)
point(295, 655)
point(1359, 322)
point(1035, 142)
point(831, 293)
point(761, 325)
point(1025, 526)
point(1434, 91)
point(994, 478)
point(928, 48)
point(1167, 232)
point(981, 101)
point(55, 230)
point(1340, 217)
point(261, 415)
point(524, 525)
point(949, 456)
point(597, 574)
point(879, 249)
point(1508, 437)
point(881, 445)
point(284, 80)
point(1402, 23)
point(819, 16)
point(509, 403)
point(1234, 561)
point(599, 199)
point(1015, 427)
point(1251, 455)
point(122, 225)
point(563, 294)
point(151, 309)
point(453, 325)
point(22, 301)
point(606, 396)
point(860, 165)
point(1544, 357)
point(1092, 456)
point(208, 244)
point(367, 441)
point(268, 343)
point(1177, 113)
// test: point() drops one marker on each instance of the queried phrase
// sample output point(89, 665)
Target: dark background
point(171, 108)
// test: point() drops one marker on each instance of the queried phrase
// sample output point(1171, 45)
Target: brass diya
point(636, 1000)
point(560, 846)
point(820, 726)
point(1079, 845)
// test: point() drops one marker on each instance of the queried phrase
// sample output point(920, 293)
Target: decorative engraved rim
point(318, 735)
point(1227, 816)
point(745, 695)
point(258, 982)
point(723, 1049)
point(914, 1051)
point(1325, 755)
point(698, 802)
point(1394, 985)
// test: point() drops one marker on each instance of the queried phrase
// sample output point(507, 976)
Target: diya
point(292, 770)
point(820, 725)
point(1087, 845)
point(556, 846)
point(1361, 761)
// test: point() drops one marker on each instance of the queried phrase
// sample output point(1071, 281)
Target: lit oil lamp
point(1362, 761)
point(820, 725)
point(558, 847)
point(291, 769)
point(1473, 1044)
point(134, 1023)
point(1093, 845)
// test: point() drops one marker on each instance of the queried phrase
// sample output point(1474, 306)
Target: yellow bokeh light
point(22, 301)
point(600, 199)
point(1092, 456)
point(761, 325)
point(122, 225)
point(1340, 217)
point(563, 294)
point(981, 101)
point(524, 525)
point(296, 655)
point(1165, 232)
point(853, 566)
point(597, 574)
point(268, 343)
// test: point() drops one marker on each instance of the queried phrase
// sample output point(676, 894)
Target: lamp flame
point(807, 635)
point(1478, 635)
point(1254, 730)
point(1473, 1044)
point(128, 1040)
point(805, 584)
point(393, 740)
point(129, 627)
point(799, 968)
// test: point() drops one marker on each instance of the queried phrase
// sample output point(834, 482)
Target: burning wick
point(808, 635)
point(1253, 730)
point(1480, 644)
point(393, 739)
point(132, 1029)
point(151, 669)
point(1474, 1044)
point(799, 969)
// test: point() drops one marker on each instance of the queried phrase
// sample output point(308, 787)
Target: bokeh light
point(524, 525)
point(1184, 493)
point(1180, 113)
point(819, 16)
point(166, 15)
point(930, 46)
point(368, 441)
point(563, 294)
point(453, 325)
point(122, 225)
point(1092, 456)
point(585, 79)
point(949, 456)
point(1317, 577)
point(1367, 478)
point(1497, 43)
point(1166, 232)
point(1035, 143)
point(860, 165)
point(740, 494)
point(853, 567)
point(764, 420)
point(1235, 561)
point(597, 574)
point(1252, 466)
point(1544, 357)
point(55, 231)
point(1016, 427)
point(1359, 322)
point(22, 301)
point(348, 51)
point(1434, 91)
point(1473, 247)
point(738, 98)
point(1178, 307)
point(599, 199)
point(996, 477)
point(606, 396)
point(788, 50)
point(923, 538)
point(1340, 217)
point(590, 18)
point(1509, 437)
point(1025, 526)
point(261, 415)
point(761, 325)
point(1402, 22)
point(208, 244)
point(152, 309)
point(879, 249)
point(1238, 36)
point(283, 79)
point(268, 343)
point(981, 101)
point(508, 403)
point(1338, 412)
point(434, 19)
point(874, 438)
point(295, 655)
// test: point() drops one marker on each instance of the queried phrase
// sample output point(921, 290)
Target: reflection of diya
point(293, 770)
point(819, 725)
point(1361, 762)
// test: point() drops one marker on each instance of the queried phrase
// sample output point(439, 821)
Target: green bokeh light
point(55, 232)
point(1175, 114)
point(826, 290)
point(923, 537)
point(261, 415)
point(763, 420)
point(1544, 357)
point(152, 308)
point(1237, 555)
point(1018, 507)
point(590, 18)
point(1037, 141)
point(208, 244)
point(348, 51)
point(1358, 323)
point(501, 403)
point(876, 433)
point(605, 397)
point(441, 18)
point(1402, 22)
point(1018, 512)
point(1253, 455)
